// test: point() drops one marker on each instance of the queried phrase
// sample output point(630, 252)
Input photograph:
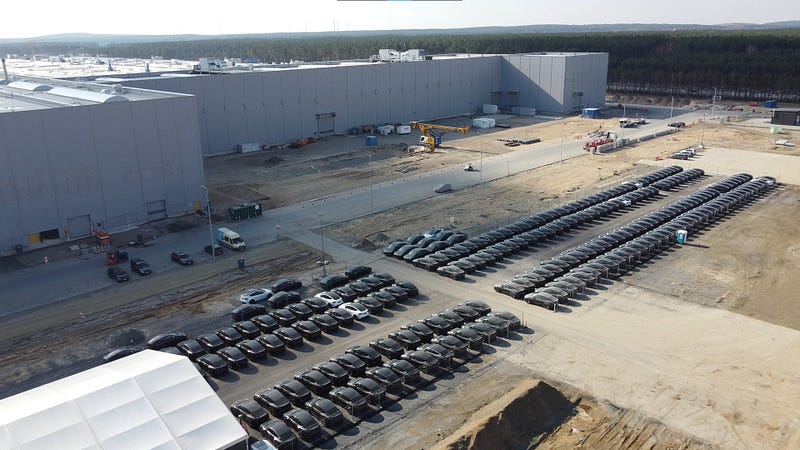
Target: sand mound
point(513, 419)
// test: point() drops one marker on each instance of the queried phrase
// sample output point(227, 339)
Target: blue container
point(372, 140)
point(771, 104)
point(681, 235)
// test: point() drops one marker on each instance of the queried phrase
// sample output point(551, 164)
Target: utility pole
point(210, 228)
point(322, 242)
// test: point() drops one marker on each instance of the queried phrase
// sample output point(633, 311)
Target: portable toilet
point(771, 104)
point(681, 235)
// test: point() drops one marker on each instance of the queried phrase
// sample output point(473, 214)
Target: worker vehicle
point(115, 257)
point(230, 239)
point(430, 137)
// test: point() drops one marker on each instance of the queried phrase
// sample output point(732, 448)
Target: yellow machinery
point(428, 138)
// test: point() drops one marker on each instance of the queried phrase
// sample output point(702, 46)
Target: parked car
point(334, 372)
point(304, 424)
point(316, 304)
point(191, 349)
point(511, 318)
point(117, 274)
point(367, 354)
point(160, 341)
point(250, 412)
point(247, 311)
point(677, 124)
point(400, 294)
point(334, 280)
point(369, 388)
point(217, 249)
point(423, 331)
point(210, 342)
point(452, 343)
point(359, 311)
point(342, 316)
point(387, 347)
point(265, 322)
point(349, 399)
point(255, 295)
point(229, 335)
point(332, 298)
point(468, 313)
point(439, 325)
point(347, 294)
point(324, 410)
point(443, 355)
point(308, 329)
point(357, 271)
point(354, 365)
point(300, 310)
point(116, 354)
point(452, 272)
point(315, 381)
point(283, 298)
point(423, 361)
point(451, 316)
point(278, 434)
point(140, 267)
point(283, 316)
point(386, 377)
point(373, 305)
point(295, 391)
point(233, 357)
point(387, 299)
point(247, 328)
point(213, 365)
point(273, 400)
point(286, 284)
point(360, 288)
point(407, 371)
point(407, 338)
point(181, 258)
point(325, 322)
point(289, 336)
point(501, 326)
point(272, 343)
point(252, 349)
point(486, 331)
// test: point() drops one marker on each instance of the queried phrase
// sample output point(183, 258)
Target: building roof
point(149, 400)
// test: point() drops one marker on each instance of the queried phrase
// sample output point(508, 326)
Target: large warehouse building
point(79, 157)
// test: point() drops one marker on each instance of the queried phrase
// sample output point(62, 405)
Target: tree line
point(689, 60)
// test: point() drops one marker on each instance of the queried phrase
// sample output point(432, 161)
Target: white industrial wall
point(282, 105)
point(111, 162)
point(550, 82)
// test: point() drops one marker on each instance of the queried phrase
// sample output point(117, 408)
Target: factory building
point(76, 158)
point(81, 157)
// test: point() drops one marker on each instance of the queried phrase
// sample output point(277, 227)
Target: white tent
point(149, 400)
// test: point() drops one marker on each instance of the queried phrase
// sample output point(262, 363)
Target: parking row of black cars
point(566, 275)
point(358, 378)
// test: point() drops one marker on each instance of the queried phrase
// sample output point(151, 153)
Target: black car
point(342, 316)
point(286, 284)
point(172, 351)
point(439, 325)
point(283, 298)
point(181, 258)
point(283, 316)
point(388, 347)
point(230, 336)
point(278, 434)
point(140, 267)
point(233, 357)
point(513, 320)
point(452, 343)
point(316, 304)
point(245, 312)
point(304, 424)
point(213, 365)
point(211, 342)
point(274, 401)
point(347, 294)
point(116, 273)
point(387, 299)
point(369, 388)
point(295, 391)
point(373, 305)
point(272, 343)
point(300, 310)
point(116, 354)
point(453, 317)
point(308, 329)
point(191, 348)
point(248, 329)
point(474, 339)
point(361, 288)
point(332, 281)
point(349, 399)
point(253, 349)
point(324, 410)
point(467, 313)
point(160, 341)
point(217, 249)
point(500, 325)
point(486, 331)
point(357, 271)
point(452, 272)
point(423, 361)
point(325, 322)
point(410, 288)
point(265, 323)
point(334, 372)
point(289, 336)
point(407, 371)
point(443, 355)
point(400, 294)
point(250, 412)
point(386, 377)
point(419, 328)
point(393, 246)
point(367, 354)
point(354, 365)
point(387, 278)
point(407, 338)
point(314, 380)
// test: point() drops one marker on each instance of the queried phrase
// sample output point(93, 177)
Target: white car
point(359, 311)
point(332, 298)
point(255, 295)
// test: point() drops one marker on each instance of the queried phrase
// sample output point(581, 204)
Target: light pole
point(563, 130)
point(322, 242)
point(210, 228)
point(672, 105)
point(703, 131)
point(371, 203)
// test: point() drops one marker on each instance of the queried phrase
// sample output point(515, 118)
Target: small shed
point(786, 116)
point(592, 113)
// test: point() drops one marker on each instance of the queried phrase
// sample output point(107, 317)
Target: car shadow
point(398, 307)
point(323, 340)
point(342, 332)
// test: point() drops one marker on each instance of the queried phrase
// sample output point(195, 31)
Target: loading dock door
point(156, 210)
point(78, 226)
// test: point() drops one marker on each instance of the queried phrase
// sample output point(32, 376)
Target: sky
point(170, 17)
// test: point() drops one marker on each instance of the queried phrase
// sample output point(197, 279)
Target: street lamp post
point(563, 130)
point(210, 228)
point(371, 203)
point(703, 132)
point(322, 245)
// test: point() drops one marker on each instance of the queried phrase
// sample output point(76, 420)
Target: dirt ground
point(745, 264)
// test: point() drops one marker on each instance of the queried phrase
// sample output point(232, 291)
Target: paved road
point(25, 289)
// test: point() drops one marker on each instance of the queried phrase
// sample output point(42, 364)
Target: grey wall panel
point(290, 101)
point(395, 96)
point(233, 90)
point(307, 102)
point(339, 98)
point(254, 110)
point(323, 90)
point(213, 101)
point(273, 105)
point(354, 96)
point(156, 168)
point(369, 94)
point(382, 96)
point(409, 92)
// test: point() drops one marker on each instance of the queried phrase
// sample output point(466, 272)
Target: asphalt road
point(24, 289)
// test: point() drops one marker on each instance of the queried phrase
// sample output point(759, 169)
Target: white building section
point(149, 400)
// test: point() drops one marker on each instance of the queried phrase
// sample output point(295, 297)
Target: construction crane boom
point(427, 139)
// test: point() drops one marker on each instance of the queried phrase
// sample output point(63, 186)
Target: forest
point(688, 61)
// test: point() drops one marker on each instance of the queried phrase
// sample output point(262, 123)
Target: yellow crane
point(427, 139)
